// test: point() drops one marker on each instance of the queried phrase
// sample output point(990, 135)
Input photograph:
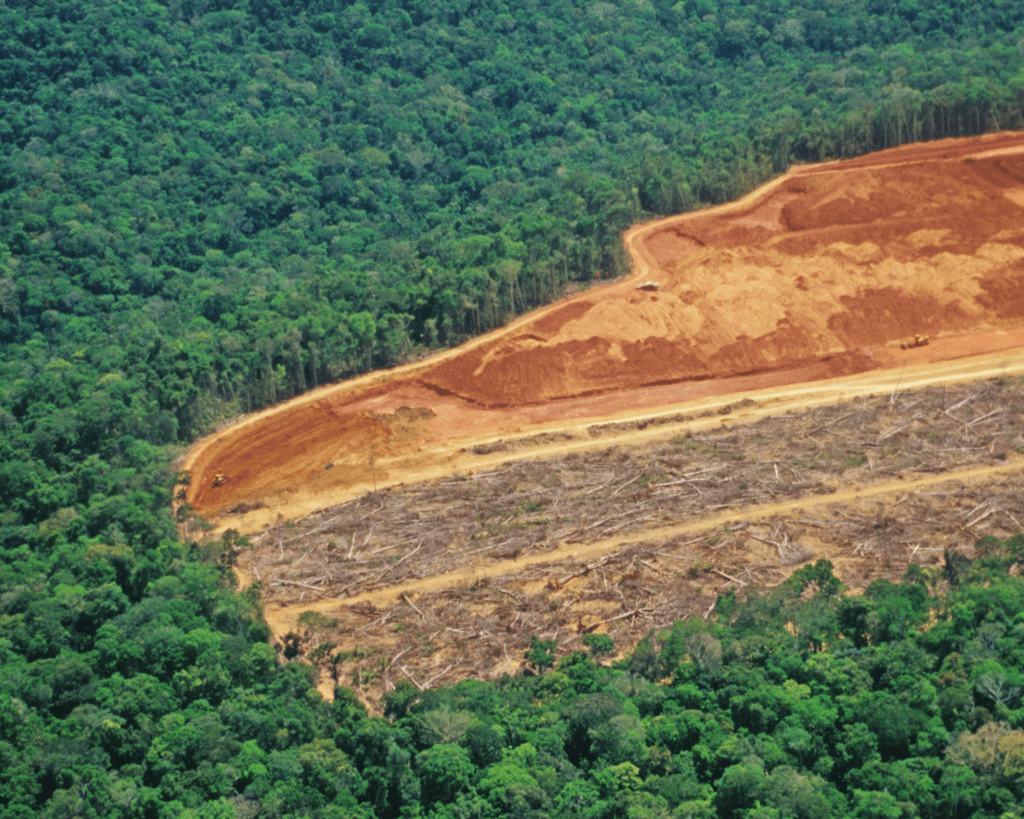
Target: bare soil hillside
point(821, 273)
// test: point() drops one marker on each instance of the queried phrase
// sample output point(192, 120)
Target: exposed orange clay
point(820, 274)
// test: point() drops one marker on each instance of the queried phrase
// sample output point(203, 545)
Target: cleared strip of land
point(628, 537)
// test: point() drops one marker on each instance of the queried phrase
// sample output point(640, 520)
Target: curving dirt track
point(815, 277)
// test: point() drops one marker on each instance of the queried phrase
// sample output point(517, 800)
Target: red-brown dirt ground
point(818, 274)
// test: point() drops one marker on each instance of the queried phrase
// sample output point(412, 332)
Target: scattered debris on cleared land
point(444, 580)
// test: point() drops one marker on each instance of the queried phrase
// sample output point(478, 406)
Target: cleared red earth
point(821, 274)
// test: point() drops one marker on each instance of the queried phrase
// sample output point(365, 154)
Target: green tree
point(600, 645)
point(541, 653)
point(445, 771)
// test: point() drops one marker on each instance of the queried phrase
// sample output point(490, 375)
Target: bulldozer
point(919, 341)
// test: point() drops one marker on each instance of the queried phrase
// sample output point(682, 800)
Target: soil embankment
point(821, 273)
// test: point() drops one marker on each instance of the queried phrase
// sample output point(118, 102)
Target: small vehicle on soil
point(919, 341)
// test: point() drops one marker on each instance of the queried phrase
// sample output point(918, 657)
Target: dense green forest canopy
point(904, 702)
point(206, 207)
point(299, 193)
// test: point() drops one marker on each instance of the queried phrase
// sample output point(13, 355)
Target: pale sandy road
point(767, 402)
point(445, 458)
point(282, 620)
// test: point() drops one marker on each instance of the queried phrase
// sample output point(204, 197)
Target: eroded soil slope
point(820, 273)
point(833, 258)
